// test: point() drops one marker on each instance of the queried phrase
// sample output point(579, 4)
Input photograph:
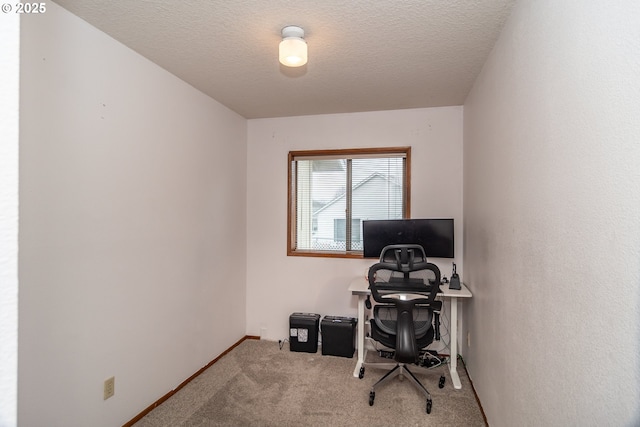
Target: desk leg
point(360, 342)
point(453, 360)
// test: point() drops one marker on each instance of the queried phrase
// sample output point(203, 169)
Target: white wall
point(278, 285)
point(9, 122)
point(132, 227)
point(551, 202)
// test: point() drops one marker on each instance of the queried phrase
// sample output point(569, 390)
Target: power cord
point(281, 343)
point(431, 359)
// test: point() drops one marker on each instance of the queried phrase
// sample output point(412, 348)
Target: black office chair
point(406, 317)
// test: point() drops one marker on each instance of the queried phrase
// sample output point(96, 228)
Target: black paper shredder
point(303, 332)
point(338, 336)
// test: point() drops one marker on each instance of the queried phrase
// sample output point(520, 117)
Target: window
point(331, 192)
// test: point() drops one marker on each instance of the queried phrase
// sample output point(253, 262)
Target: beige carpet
point(259, 384)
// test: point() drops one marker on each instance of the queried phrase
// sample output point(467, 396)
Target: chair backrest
point(403, 272)
point(404, 279)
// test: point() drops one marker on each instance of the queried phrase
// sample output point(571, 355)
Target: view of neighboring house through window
point(332, 191)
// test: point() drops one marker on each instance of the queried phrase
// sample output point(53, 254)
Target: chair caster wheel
point(361, 373)
point(372, 396)
point(441, 383)
point(429, 404)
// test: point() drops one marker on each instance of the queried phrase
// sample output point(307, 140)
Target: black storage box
point(338, 336)
point(303, 332)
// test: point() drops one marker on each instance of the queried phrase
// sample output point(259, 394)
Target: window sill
point(326, 254)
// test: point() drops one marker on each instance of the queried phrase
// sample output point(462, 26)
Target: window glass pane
point(320, 202)
point(377, 191)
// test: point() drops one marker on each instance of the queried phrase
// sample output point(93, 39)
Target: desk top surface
point(360, 286)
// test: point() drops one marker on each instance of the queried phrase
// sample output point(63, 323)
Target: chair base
point(401, 370)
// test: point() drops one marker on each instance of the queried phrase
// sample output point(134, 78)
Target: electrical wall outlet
point(109, 387)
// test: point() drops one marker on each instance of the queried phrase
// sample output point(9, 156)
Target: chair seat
point(383, 325)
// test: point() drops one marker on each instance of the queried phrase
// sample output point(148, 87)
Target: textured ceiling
point(363, 55)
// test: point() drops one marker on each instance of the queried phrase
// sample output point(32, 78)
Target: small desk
point(360, 287)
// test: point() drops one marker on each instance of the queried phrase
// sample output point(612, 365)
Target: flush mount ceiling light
point(293, 48)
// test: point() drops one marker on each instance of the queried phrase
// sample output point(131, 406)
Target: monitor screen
point(434, 235)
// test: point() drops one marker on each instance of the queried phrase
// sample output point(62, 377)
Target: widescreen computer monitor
point(434, 235)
